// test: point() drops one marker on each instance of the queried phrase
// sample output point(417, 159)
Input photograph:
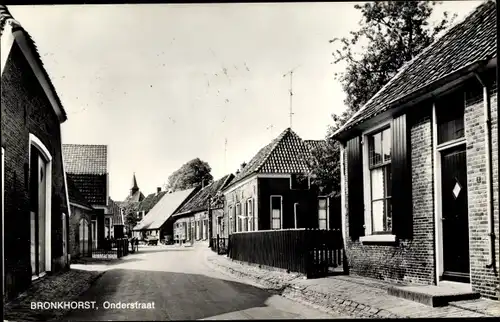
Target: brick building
point(80, 237)
point(195, 211)
point(265, 194)
point(35, 207)
point(87, 167)
point(420, 166)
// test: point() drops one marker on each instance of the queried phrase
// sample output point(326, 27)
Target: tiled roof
point(114, 208)
point(471, 41)
point(164, 209)
point(4, 17)
point(137, 196)
point(150, 201)
point(315, 144)
point(85, 158)
point(91, 186)
point(200, 200)
point(285, 154)
point(75, 196)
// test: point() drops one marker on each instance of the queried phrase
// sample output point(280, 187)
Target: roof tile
point(468, 42)
point(85, 158)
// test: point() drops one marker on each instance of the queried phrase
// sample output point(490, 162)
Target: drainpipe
point(489, 181)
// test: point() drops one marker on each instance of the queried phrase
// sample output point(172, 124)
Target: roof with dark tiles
point(85, 158)
point(114, 208)
point(199, 201)
point(285, 154)
point(91, 186)
point(470, 41)
point(75, 196)
point(5, 16)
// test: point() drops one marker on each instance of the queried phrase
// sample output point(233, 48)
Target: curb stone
point(303, 294)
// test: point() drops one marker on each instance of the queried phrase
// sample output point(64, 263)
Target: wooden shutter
point(355, 188)
point(402, 214)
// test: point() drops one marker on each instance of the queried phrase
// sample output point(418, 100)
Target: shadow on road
point(176, 296)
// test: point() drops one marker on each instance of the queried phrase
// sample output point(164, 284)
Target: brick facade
point(25, 110)
point(77, 214)
point(414, 260)
point(409, 260)
point(484, 280)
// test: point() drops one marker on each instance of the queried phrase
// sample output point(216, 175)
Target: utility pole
point(290, 72)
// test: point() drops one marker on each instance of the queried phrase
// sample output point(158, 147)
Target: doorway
point(40, 215)
point(455, 216)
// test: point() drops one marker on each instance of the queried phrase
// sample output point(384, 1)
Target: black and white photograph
point(241, 160)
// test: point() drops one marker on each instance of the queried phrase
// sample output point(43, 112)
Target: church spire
point(134, 188)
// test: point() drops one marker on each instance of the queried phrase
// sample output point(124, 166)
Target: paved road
point(182, 286)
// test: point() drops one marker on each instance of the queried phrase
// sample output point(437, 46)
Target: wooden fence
point(115, 248)
point(312, 252)
point(219, 245)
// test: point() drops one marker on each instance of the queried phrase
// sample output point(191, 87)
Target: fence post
point(218, 245)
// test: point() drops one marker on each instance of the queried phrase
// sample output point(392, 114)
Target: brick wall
point(409, 260)
point(484, 280)
point(26, 109)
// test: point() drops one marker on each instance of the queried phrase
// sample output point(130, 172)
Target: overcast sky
point(162, 84)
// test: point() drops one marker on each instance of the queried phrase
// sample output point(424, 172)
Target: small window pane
point(275, 203)
point(322, 224)
point(388, 177)
point(386, 144)
point(450, 116)
point(322, 203)
point(377, 182)
point(276, 224)
point(375, 148)
point(378, 215)
point(388, 215)
point(276, 214)
point(322, 214)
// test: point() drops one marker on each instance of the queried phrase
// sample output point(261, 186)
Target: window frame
point(386, 166)
point(250, 214)
point(271, 211)
point(326, 213)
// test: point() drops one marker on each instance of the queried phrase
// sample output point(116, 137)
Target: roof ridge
point(276, 141)
point(408, 63)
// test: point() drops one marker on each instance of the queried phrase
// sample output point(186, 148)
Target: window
point(322, 214)
point(450, 111)
point(107, 227)
point(231, 219)
point(238, 218)
point(276, 212)
point(250, 214)
point(379, 153)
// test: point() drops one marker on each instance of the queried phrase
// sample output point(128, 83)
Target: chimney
point(158, 189)
point(244, 164)
point(237, 171)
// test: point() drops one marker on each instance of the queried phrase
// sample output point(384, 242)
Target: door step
point(433, 295)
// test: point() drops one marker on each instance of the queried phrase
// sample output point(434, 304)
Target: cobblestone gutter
point(62, 287)
point(278, 283)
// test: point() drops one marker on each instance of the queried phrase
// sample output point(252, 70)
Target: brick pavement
point(65, 286)
point(351, 295)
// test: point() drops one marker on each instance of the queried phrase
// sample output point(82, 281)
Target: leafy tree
point(193, 173)
point(393, 32)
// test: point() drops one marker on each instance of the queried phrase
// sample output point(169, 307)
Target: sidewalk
point(62, 287)
point(354, 296)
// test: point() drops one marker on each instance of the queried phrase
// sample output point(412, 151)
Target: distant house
point(116, 223)
point(87, 166)
point(35, 203)
point(80, 237)
point(158, 222)
point(420, 166)
point(267, 193)
point(195, 211)
point(148, 203)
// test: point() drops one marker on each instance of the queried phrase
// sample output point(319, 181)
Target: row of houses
point(55, 200)
point(264, 194)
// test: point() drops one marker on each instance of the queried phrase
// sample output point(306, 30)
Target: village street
point(183, 287)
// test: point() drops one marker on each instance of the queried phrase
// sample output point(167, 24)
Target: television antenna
point(290, 72)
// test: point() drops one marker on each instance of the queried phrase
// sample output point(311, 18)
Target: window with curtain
point(379, 149)
point(322, 214)
point(276, 212)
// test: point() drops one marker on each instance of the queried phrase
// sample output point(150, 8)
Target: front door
point(455, 215)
